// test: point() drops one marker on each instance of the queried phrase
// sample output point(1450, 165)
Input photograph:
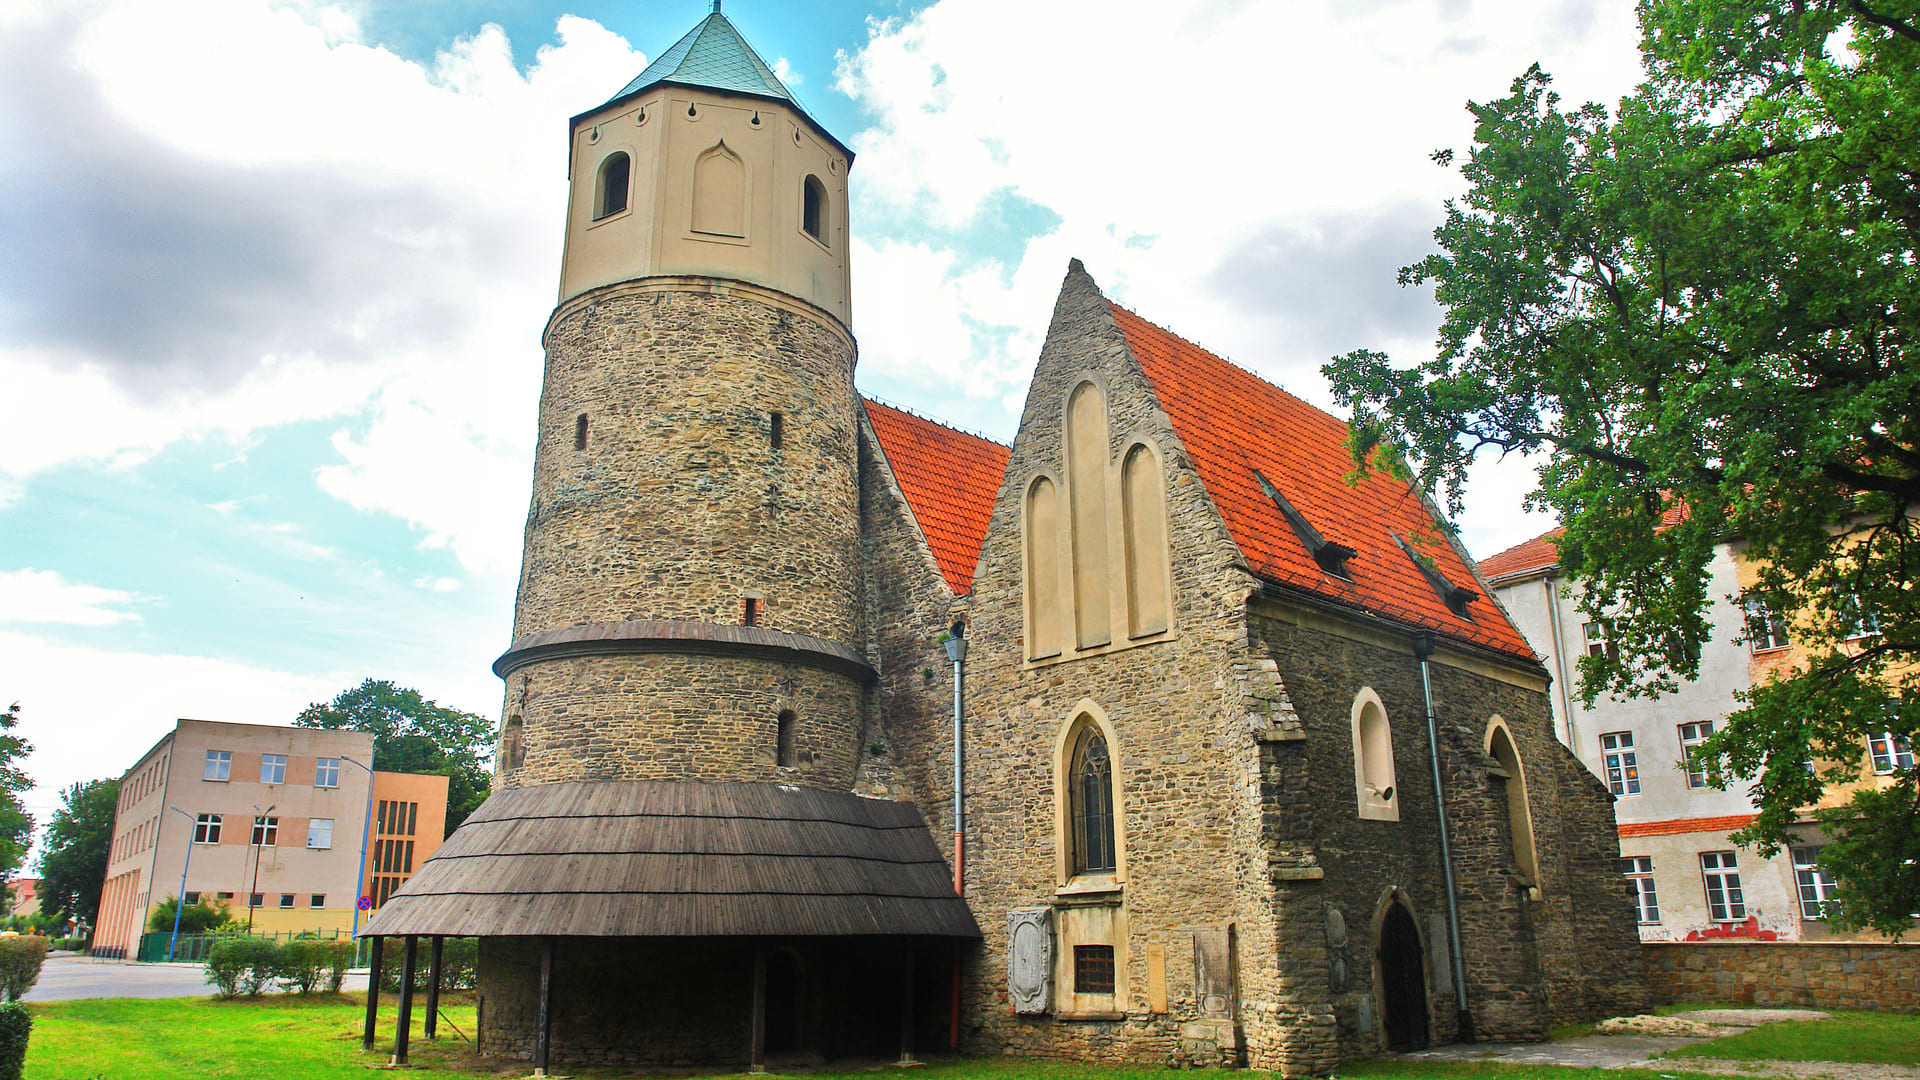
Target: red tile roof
point(1523, 558)
point(1687, 825)
point(950, 479)
point(1234, 422)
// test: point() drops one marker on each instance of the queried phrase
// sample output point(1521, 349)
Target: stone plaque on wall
point(1030, 959)
point(1213, 973)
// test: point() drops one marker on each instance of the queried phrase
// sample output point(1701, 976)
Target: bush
point(200, 917)
point(340, 956)
point(20, 960)
point(301, 965)
point(243, 965)
point(16, 1024)
point(458, 961)
point(69, 944)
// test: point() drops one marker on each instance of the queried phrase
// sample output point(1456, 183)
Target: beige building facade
point(273, 816)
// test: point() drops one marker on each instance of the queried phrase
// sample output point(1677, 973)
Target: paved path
point(1639, 1052)
point(69, 978)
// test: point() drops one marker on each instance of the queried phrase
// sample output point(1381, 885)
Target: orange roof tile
point(950, 479)
point(1687, 825)
point(1234, 422)
point(1523, 558)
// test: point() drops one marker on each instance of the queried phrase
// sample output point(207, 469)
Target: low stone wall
point(1819, 975)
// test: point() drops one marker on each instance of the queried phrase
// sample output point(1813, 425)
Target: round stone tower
point(689, 597)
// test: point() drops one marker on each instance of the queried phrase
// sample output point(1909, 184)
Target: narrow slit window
point(749, 611)
point(776, 429)
point(1090, 793)
point(783, 739)
point(580, 432)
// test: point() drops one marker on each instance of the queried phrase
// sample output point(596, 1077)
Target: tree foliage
point(414, 735)
point(204, 916)
point(16, 825)
point(1697, 310)
point(73, 855)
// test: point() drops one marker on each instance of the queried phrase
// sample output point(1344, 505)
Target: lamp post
point(259, 838)
point(366, 830)
point(180, 901)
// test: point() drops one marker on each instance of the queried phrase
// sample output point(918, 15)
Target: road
point(69, 978)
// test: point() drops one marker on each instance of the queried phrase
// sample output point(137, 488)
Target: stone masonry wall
point(680, 505)
point(667, 717)
point(1183, 754)
point(1808, 975)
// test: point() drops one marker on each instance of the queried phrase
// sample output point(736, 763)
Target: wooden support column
point(404, 1028)
point(757, 1046)
point(543, 1033)
point(433, 986)
point(906, 1005)
point(373, 995)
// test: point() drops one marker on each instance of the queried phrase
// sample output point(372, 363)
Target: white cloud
point(44, 596)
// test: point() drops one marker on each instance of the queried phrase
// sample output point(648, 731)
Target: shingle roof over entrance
point(1234, 423)
point(949, 479)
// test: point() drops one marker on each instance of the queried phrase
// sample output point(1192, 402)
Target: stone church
point(834, 732)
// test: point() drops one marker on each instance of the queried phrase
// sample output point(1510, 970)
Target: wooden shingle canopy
point(666, 859)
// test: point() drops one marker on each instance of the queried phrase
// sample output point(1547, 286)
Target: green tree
point(73, 855)
point(1697, 313)
point(414, 735)
point(203, 916)
point(16, 825)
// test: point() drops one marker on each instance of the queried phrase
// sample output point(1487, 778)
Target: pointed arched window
point(1090, 799)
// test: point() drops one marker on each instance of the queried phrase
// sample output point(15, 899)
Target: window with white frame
point(318, 900)
point(1890, 752)
point(286, 899)
point(1691, 736)
point(1765, 629)
point(326, 772)
point(1622, 763)
point(1858, 619)
point(219, 765)
point(1725, 902)
point(1816, 885)
point(320, 832)
point(1599, 638)
point(266, 831)
point(273, 768)
point(190, 897)
point(206, 829)
point(1639, 874)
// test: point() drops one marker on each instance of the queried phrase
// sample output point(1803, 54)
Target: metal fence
point(193, 948)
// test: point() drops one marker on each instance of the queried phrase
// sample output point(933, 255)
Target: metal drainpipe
point(1423, 646)
point(1560, 662)
point(957, 652)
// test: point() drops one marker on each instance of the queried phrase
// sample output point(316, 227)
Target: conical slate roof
point(713, 56)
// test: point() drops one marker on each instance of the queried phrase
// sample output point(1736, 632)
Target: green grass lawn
point(1875, 1037)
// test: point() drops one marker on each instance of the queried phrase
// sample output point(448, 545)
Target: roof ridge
point(918, 415)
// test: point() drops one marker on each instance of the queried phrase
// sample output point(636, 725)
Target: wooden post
point(433, 986)
point(543, 1035)
point(906, 1007)
point(953, 1027)
point(757, 1048)
point(373, 995)
point(404, 1027)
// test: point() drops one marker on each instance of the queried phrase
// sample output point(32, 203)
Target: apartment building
point(268, 820)
point(1688, 881)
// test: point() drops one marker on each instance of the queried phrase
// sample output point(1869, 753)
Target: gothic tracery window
point(1090, 794)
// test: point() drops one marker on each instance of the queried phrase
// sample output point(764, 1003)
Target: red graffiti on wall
point(1749, 930)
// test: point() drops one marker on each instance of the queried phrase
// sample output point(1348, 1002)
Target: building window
point(219, 765)
point(191, 897)
point(1090, 795)
point(580, 432)
point(813, 208)
point(1599, 639)
point(1639, 873)
point(206, 829)
point(224, 895)
point(1093, 969)
point(1691, 736)
point(326, 772)
point(1623, 766)
point(1890, 752)
point(1858, 619)
point(1725, 903)
point(776, 429)
point(1765, 629)
point(318, 900)
point(255, 900)
point(286, 899)
point(273, 768)
point(783, 739)
point(610, 190)
point(749, 611)
point(1816, 885)
point(266, 831)
point(320, 832)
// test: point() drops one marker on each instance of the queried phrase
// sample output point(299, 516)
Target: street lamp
point(180, 901)
point(366, 829)
point(258, 837)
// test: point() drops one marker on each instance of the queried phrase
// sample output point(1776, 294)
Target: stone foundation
point(1812, 975)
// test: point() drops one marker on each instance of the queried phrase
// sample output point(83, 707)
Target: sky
point(273, 277)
